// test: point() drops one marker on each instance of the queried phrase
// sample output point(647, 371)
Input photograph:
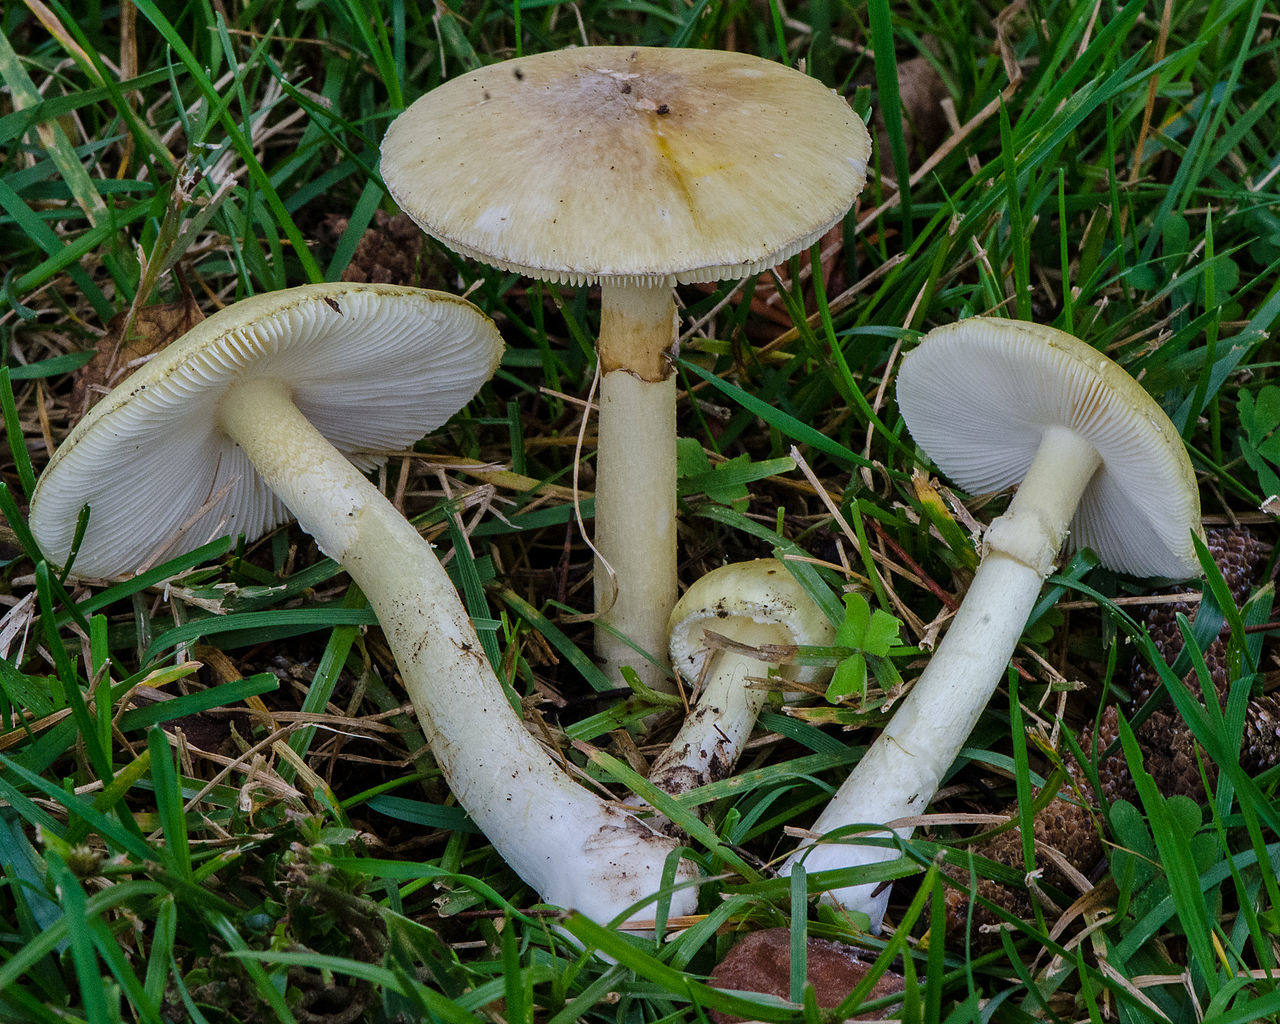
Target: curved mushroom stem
point(635, 528)
point(708, 744)
point(900, 772)
point(574, 849)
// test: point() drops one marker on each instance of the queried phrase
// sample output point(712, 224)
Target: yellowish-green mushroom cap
point(635, 168)
point(372, 367)
point(635, 165)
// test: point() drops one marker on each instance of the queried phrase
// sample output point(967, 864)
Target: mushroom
point(272, 404)
point(753, 604)
point(994, 402)
point(635, 168)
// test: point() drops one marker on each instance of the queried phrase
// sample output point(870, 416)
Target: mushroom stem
point(636, 480)
point(900, 772)
point(753, 604)
point(637, 330)
point(574, 849)
point(711, 738)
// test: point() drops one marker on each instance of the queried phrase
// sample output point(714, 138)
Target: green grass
point(1121, 185)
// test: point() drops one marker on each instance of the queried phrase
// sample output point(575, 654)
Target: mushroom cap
point(977, 396)
point(760, 591)
point(372, 366)
point(628, 164)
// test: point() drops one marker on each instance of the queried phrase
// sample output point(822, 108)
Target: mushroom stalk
point(636, 168)
point(900, 772)
point(754, 603)
point(635, 490)
point(574, 849)
point(711, 738)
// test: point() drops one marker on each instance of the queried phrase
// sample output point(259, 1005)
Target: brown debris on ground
point(1169, 752)
point(389, 252)
point(127, 344)
point(921, 91)
point(761, 962)
point(1069, 824)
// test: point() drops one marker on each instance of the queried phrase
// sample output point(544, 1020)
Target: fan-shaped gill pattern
point(372, 366)
point(978, 395)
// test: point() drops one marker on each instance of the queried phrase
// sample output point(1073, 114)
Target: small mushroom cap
point(760, 591)
point(977, 396)
point(373, 367)
point(631, 164)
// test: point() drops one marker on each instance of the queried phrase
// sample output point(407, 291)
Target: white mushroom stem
point(752, 604)
point(708, 744)
point(574, 849)
point(900, 772)
point(635, 494)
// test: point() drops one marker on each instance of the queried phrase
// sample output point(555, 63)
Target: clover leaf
point(873, 635)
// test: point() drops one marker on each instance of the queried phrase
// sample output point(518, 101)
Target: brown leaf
point(152, 329)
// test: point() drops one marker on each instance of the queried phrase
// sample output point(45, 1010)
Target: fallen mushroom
point(752, 604)
point(994, 402)
point(635, 168)
point(271, 404)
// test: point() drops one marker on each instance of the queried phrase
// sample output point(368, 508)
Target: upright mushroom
point(994, 402)
point(636, 168)
point(265, 407)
